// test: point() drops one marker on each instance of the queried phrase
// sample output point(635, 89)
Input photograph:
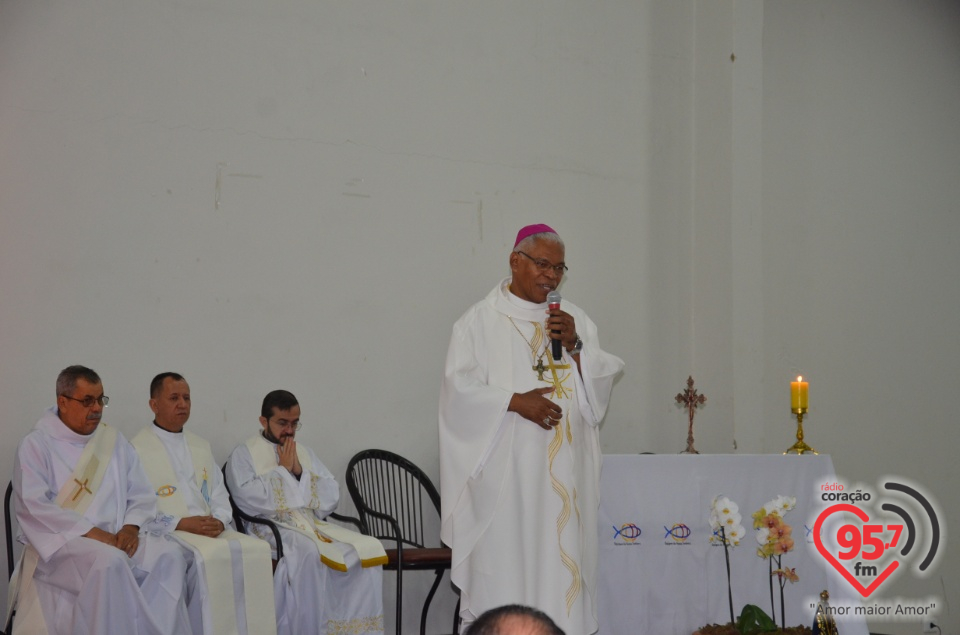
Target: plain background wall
point(861, 244)
point(307, 194)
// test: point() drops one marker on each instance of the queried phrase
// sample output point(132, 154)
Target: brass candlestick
point(800, 447)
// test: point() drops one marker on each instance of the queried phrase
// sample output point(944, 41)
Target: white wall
point(861, 245)
point(306, 195)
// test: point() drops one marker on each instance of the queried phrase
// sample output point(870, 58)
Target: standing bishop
point(81, 498)
point(519, 444)
point(230, 586)
point(330, 578)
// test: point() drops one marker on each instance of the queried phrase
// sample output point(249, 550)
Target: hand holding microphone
point(563, 329)
point(553, 303)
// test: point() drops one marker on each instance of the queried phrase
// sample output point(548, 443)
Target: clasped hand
point(287, 457)
point(126, 540)
point(201, 525)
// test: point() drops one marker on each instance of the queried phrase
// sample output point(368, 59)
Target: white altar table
point(658, 572)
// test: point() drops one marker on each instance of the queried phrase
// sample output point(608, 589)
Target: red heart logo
point(862, 515)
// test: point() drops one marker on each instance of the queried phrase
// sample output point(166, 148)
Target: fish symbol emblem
point(679, 532)
point(166, 490)
point(628, 531)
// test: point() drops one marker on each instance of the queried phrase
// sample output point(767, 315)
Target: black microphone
point(553, 301)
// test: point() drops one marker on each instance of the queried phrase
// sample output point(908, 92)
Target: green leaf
point(754, 620)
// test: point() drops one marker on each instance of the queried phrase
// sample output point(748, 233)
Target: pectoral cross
point(691, 399)
point(540, 369)
point(81, 488)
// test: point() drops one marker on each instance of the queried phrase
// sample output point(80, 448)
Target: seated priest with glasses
point(81, 498)
point(330, 578)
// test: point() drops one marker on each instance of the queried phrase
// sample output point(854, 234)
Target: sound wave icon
point(911, 526)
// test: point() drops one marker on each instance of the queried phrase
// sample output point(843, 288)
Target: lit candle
point(799, 394)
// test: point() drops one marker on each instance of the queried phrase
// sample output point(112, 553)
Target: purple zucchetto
point(530, 230)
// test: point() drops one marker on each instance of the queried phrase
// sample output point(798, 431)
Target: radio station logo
point(870, 537)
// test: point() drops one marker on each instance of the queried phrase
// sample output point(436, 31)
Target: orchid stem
point(783, 614)
point(726, 555)
point(773, 607)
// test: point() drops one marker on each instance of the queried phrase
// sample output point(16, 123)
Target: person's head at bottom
point(514, 619)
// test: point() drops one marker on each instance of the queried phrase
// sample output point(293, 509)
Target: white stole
point(219, 571)
point(322, 533)
point(75, 494)
point(159, 469)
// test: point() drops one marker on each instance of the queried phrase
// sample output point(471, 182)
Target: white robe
point(310, 596)
point(84, 586)
point(228, 547)
point(519, 503)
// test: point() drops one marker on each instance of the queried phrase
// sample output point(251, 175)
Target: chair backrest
point(391, 494)
point(237, 518)
point(240, 518)
point(8, 526)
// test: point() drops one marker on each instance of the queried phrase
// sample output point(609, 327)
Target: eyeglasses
point(87, 402)
point(544, 265)
point(289, 425)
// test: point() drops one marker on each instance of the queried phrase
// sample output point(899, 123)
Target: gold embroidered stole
point(156, 463)
point(75, 494)
point(215, 552)
point(323, 534)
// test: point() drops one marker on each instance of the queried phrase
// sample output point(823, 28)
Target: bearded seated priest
point(330, 578)
point(81, 500)
point(229, 577)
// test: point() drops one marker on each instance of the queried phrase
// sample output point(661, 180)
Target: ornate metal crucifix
point(540, 369)
point(691, 399)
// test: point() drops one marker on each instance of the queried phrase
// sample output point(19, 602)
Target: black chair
point(392, 495)
point(8, 526)
point(240, 517)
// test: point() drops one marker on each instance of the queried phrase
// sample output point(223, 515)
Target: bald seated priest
point(229, 580)
point(520, 443)
point(514, 619)
point(330, 579)
point(81, 498)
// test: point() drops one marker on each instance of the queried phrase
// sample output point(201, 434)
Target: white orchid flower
point(735, 535)
point(781, 505)
point(763, 534)
point(724, 506)
point(714, 522)
point(724, 513)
